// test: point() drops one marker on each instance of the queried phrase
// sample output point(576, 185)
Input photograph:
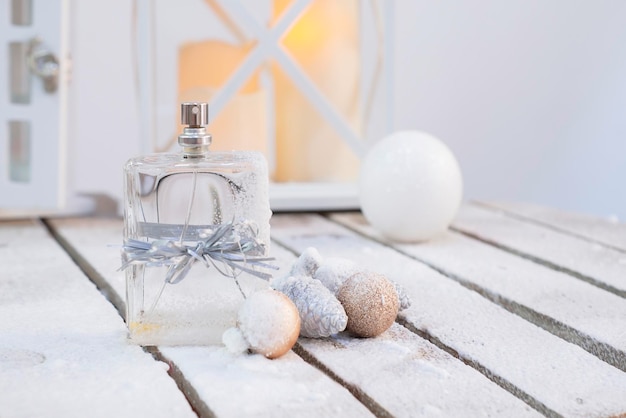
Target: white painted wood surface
point(600, 265)
point(226, 385)
point(63, 349)
point(587, 316)
point(608, 231)
point(490, 332)
point(401, 373)
point(554, 376)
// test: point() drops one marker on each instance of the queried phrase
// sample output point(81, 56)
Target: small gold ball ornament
point(371, 303)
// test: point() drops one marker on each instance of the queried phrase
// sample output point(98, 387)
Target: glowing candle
point(325, 42)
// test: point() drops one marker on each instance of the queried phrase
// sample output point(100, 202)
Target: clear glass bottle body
point(181, 198)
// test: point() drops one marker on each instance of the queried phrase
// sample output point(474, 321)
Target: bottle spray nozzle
point(194, 114)
point(194, 139)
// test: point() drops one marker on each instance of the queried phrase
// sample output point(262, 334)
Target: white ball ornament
point(268, 323)
point(410, 186)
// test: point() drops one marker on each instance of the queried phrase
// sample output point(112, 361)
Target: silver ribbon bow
point(234, 246)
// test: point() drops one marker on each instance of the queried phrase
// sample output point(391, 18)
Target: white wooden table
point(517, 311)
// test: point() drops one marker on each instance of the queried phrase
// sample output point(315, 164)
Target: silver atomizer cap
point(194, 114)
point(194, 138)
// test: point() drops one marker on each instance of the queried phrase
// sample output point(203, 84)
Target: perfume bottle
point(196, 233)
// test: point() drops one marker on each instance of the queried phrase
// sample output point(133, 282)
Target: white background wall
point(530, 95)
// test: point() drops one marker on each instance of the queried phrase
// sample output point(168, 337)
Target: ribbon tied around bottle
point(234, 246)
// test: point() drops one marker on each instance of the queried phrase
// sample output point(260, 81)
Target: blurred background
point(530, 95)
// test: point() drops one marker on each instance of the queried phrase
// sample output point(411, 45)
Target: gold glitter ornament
point(371, 303)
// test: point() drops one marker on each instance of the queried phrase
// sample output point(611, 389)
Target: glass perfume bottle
point(196, 232)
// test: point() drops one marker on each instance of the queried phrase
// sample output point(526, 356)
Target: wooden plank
point(594, 263)
point(63, 349)
point(225, 385)
point(606, 231)
point(570, 308)
point(252, 386)
point(409, 376)
point(404, 374)
point(554, 376)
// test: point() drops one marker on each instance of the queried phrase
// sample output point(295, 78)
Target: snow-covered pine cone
point(403, 298)
point(321, 314)
point(307, 264)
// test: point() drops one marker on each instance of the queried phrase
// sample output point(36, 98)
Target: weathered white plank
point(568, 307)
point(411, 377)
point(600, 265)
point(63, 349)
point(404, 374)
point(228, 385)
point(551, 374)
point(252, 386)
point(607, 231)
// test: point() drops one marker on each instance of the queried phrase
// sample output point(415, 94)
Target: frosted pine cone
point(403, 298)
point(307, 264)
point(321, 314)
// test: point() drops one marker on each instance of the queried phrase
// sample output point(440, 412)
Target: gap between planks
point(545, 224)
point(374, 407)
point(197, 405)
point(90, 272)
point(498, 380)
point(541, 261)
